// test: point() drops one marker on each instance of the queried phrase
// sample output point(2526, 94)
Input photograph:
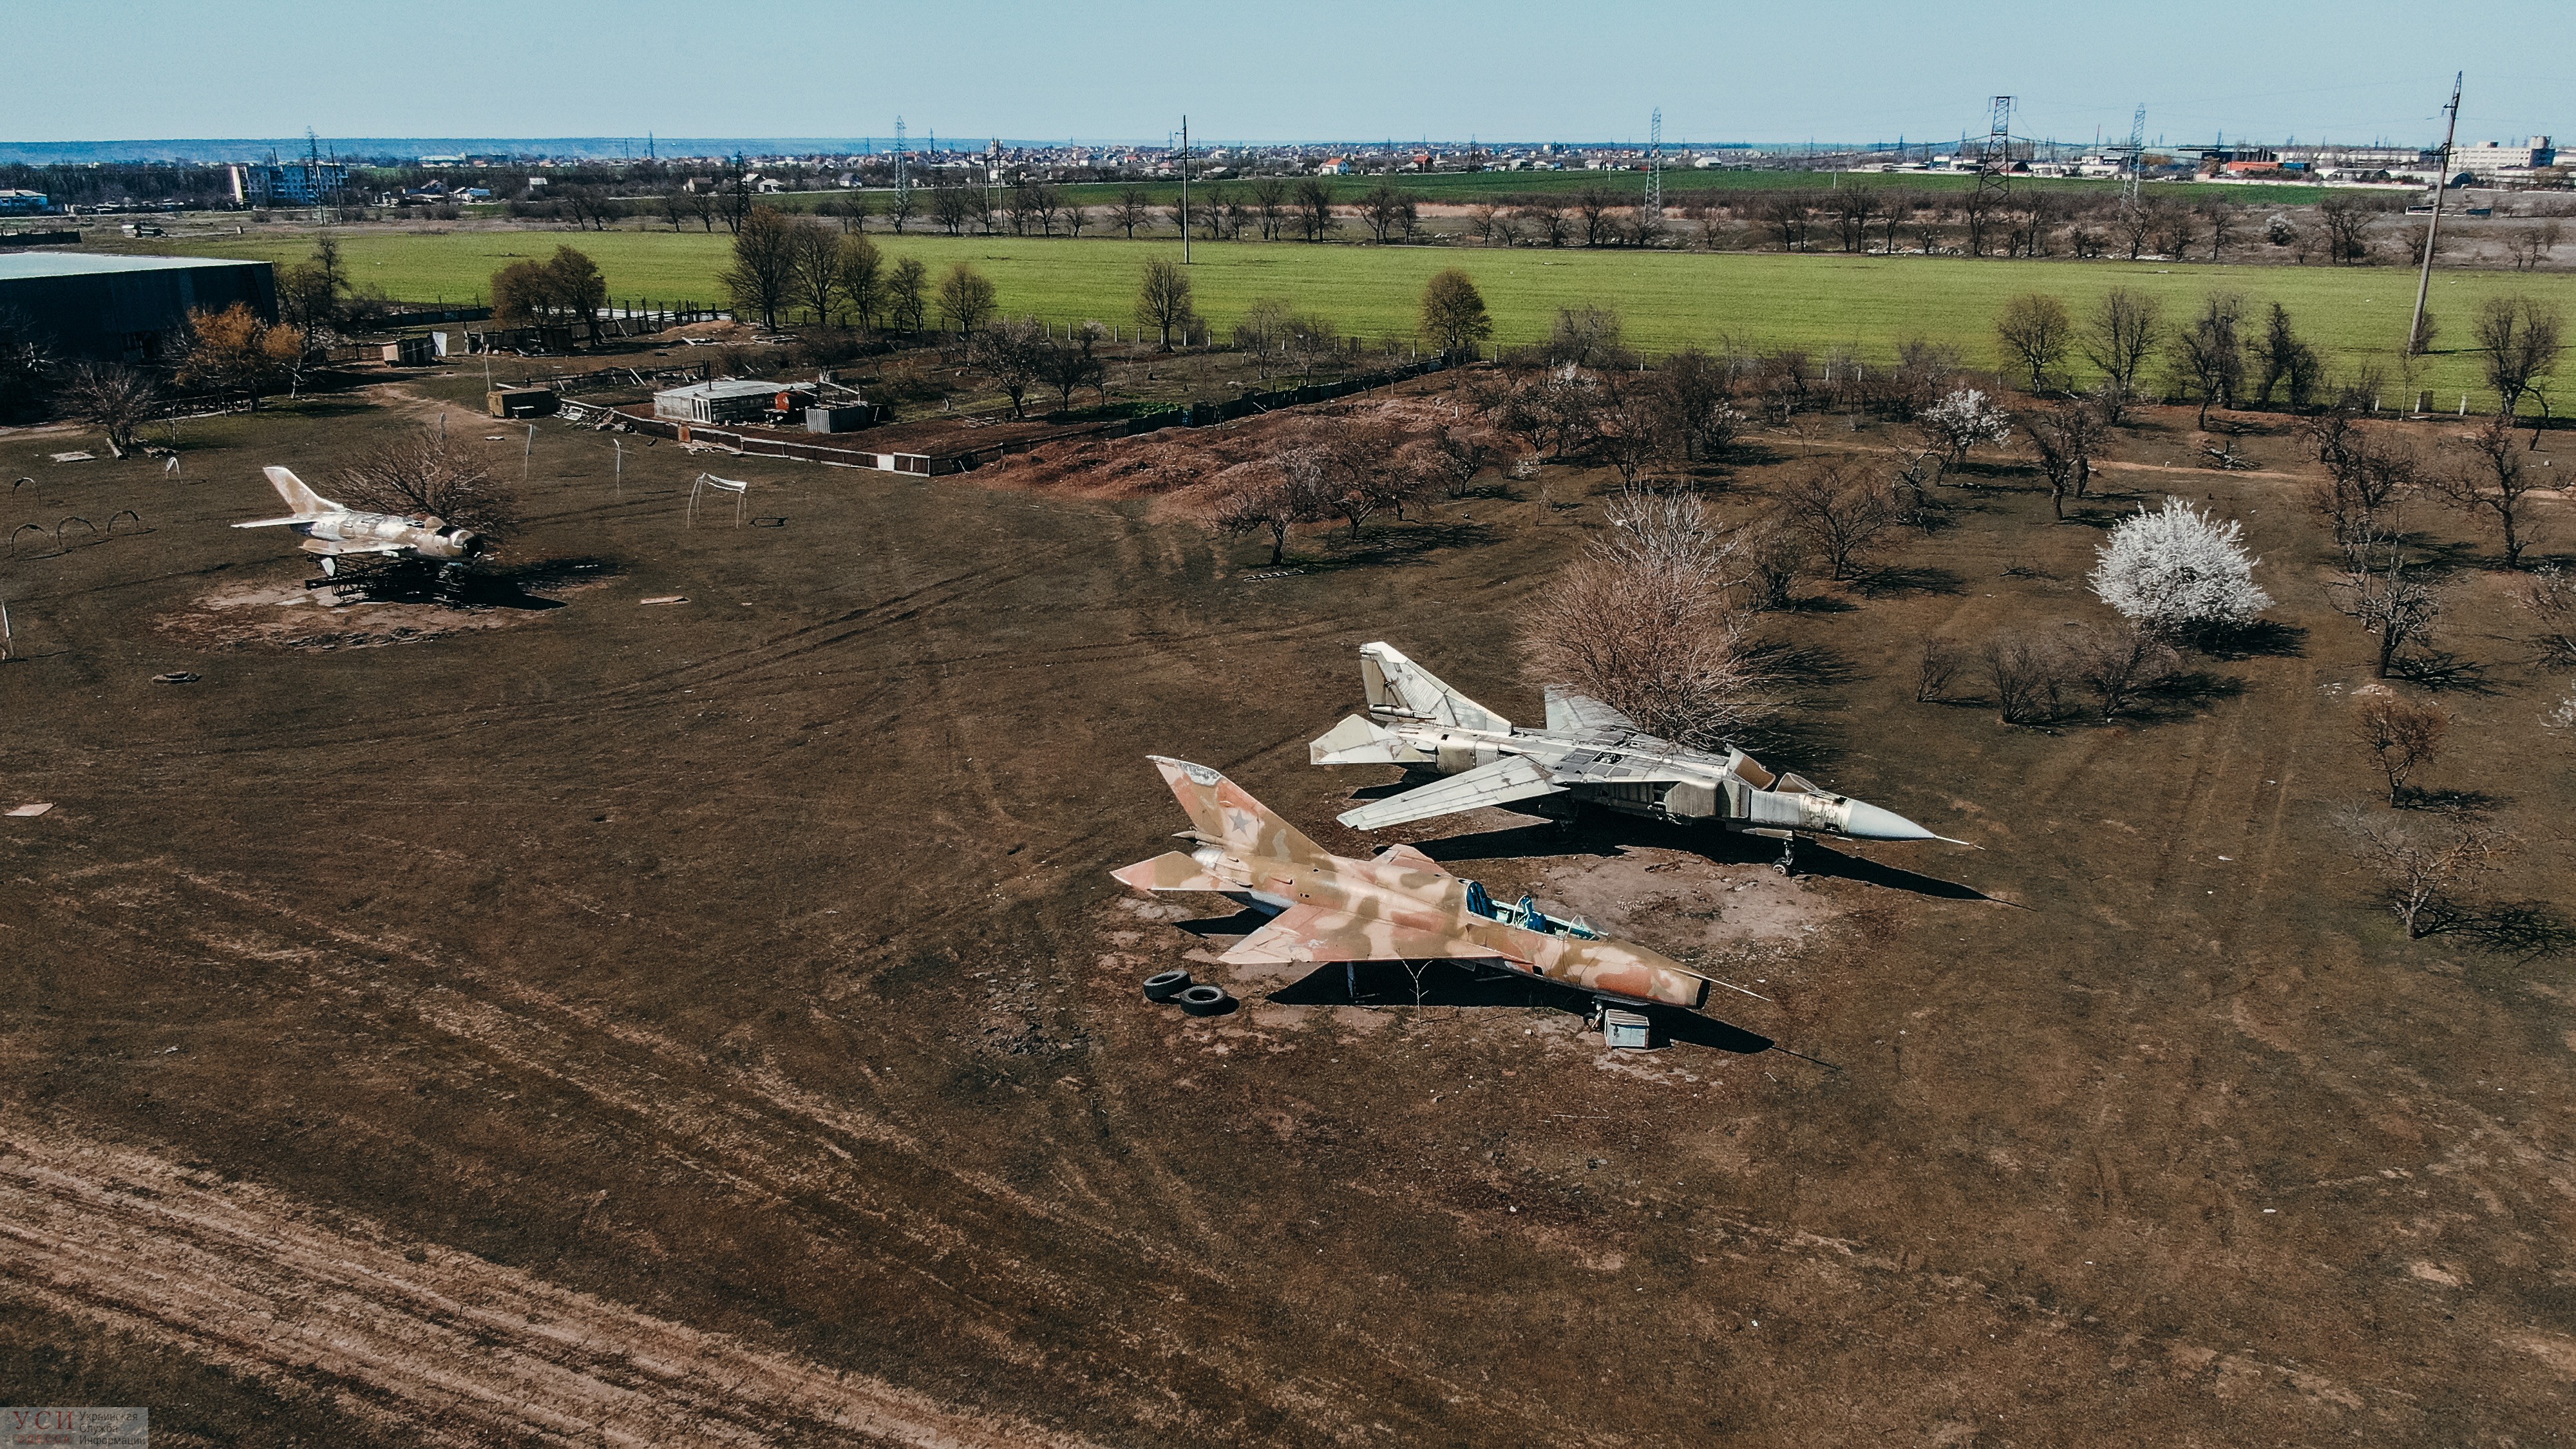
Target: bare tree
point(966, 298)
point(1548, 222)
point(1272, 496)
point(422, 474)
point(1262, 335)
point(902, 207)
point(2209, 355)
point(2346, 220)
point(1934, 669)
point(2520, 339)
point(2223, 218)
point(813, 267)
point(1314, 211)
point(859, 271)
point(2400, 736)
point(1132, 210)
point(1841, 509)
point(2117, 665)
point(1013, 352)
point(2379, 591)
point(2028, 676)
point(2283, 361)
point(1854, 208)
point(1593, 203)
point(763, 275)
point(115, 399)
point(1688, 395)
point(2490, 480)
point(1586, 337)
point(2066, 437)
point(2369, 473)
point(907, 296)
point(2526, 247)
point(2548, 594)
point(1163, 301)
point(2036, 331)
point(1644, 622)
point(1270, 205)
point(1775, 553)
point(2422, 863)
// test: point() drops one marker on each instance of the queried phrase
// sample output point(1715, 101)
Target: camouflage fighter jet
point(1400, 906)
point(1588, 752)
point(331, 530)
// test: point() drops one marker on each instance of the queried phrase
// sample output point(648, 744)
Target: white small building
point(733, 400)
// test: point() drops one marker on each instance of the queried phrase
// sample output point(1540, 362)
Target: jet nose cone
point(1864, 821)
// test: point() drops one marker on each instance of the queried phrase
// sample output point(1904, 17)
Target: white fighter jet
point(331, 530)
point(1588, 752)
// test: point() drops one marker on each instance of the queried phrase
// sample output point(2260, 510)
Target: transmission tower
point(1994, 166)
point(902, 172)
point(1655, 167)
point(2137, 157)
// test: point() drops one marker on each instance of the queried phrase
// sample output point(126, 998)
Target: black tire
point(1204, 1001)
point(1166, 985)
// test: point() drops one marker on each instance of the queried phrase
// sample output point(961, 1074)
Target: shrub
point(2178, 570)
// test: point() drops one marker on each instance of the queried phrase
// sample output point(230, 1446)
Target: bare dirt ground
point(712, 1022)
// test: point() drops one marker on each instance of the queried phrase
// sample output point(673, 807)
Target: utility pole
point(2433, 224)
point(1185, 191)
point(2137, 159)
point(1655, 168)
point(1994, 167)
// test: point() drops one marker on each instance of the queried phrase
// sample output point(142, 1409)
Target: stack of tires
point(1176, 988)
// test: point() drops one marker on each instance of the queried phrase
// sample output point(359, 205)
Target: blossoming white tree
point(1963, 420)
point(2178, 570)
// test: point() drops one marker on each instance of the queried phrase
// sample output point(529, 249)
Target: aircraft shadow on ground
point(410, 582)
point(1610, 835)
point(1467, 983)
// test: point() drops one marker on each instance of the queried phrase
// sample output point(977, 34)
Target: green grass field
point(1669, 299)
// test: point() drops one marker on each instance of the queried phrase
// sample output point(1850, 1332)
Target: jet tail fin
point(1225, 814)
point(298, 497)
point(1397, 685)
point(1355, 741)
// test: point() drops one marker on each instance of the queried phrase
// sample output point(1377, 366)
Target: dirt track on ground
point(737, 983)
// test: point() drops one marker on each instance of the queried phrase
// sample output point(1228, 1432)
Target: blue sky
point(2355, 70)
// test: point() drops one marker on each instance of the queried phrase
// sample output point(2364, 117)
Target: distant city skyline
point(2357, 72)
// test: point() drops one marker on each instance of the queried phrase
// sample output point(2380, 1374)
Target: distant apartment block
point(2488, 161)
point(23, 203)
point(291, 183)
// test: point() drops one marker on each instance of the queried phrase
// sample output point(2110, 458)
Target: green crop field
point(1669, 299)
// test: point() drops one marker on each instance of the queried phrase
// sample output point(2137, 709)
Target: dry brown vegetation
point(714, 1019)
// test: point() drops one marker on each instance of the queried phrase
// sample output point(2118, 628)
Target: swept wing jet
point(1588, 752)
point(1400, 906)
point(331, 530)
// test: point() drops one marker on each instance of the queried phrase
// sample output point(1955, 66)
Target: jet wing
point(1312, 934)
point(1513, 777)
point(287, 522)
point(340, 546)
point(1571, 713)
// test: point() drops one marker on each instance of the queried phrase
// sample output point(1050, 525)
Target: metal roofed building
point(746, 400)
point(126, 309)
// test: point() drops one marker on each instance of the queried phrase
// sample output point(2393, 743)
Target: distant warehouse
point(125, 309)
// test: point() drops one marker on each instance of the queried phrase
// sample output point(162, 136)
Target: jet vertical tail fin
point(1225, 814)
point(298, 497)
point(1397, 685)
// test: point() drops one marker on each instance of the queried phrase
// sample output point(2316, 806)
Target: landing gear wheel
point(1204, 1001)
point(1166, 985)
point(1787, 864)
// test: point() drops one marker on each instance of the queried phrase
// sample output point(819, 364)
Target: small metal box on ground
point(409, 351)
point(1630, 1029)
point(520, 402)
point(839, 420)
